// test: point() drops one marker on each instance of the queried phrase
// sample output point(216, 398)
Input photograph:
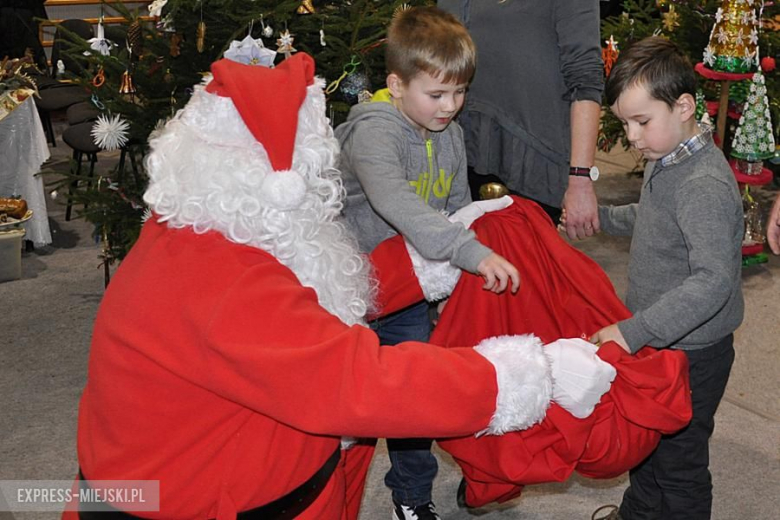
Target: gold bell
point(126, 86)
point(306, 7)
point(492, 190)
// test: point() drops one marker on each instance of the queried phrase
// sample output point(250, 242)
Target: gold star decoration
point(671, 19)
point(306, 7)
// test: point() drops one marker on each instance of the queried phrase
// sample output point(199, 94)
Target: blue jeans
point(412, 465)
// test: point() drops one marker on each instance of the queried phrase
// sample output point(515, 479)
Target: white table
point(23, 149)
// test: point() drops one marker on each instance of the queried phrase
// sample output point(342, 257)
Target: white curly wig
point(208, 172)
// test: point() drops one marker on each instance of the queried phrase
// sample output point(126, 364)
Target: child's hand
point(610, 333)
point(497, 272)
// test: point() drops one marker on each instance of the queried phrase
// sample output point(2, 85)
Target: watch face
point(594, 173)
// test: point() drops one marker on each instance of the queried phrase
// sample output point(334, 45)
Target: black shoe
point(461, 496)
point(423, 512)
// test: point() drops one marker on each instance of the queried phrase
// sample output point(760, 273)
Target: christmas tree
point(139, 84)
point(733, 45)
point(754, 140)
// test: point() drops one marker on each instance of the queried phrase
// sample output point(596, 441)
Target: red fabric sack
point(563, 294)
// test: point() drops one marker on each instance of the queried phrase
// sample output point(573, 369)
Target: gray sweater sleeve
point(377, 161)
point(618, 220)
point(577, 27)
point(702, 220)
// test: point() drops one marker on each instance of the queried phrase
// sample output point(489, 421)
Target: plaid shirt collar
point(689, 147)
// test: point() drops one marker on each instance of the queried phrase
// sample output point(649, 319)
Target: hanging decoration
point(733, 45)
point(754, 139)
point(285, 43)
point(354, 86)
point(268, 31)
point(250, 51)
point(754, 226)
point(135, 37)
point(110, 132)
point(99, 79)
point(768, 64)
point(99, 43)
point(175, 45)
point(671, 19)
point(200, 32)
point(155, 8)
point(306, 7)
point(126, 86)
point(609, 54)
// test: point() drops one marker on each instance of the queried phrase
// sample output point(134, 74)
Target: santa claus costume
point(229, 355)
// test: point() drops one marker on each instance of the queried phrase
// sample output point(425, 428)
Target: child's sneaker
point(423, 512)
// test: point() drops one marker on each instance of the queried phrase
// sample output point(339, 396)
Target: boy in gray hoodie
point(403, 164)
point(684, 272)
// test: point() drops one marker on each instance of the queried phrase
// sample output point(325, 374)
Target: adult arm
point(578, 31)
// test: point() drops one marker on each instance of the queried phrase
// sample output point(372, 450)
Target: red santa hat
point(268, 101)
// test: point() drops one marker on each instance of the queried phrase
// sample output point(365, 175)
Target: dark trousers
point(674, 482)
point(412, 465)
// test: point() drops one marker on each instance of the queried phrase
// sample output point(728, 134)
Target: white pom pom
point(284, 190)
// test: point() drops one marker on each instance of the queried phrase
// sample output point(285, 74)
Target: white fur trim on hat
point(284, 190)
point(524, 382)
point(437, 278)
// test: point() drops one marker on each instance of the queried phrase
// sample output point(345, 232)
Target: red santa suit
point(221, 363)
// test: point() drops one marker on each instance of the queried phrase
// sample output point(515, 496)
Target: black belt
point(289, 506)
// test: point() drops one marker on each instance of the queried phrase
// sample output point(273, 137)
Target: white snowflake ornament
point(110, 132)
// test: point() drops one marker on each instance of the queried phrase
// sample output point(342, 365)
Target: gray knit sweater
point(399, 183)
point(684, 272)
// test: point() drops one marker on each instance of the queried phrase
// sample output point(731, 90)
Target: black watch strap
point(579, 172)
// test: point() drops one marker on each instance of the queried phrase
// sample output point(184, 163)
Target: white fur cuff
point(524, 382)
point(437, 278)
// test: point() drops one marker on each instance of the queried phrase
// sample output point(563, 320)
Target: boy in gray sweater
point(684, 273)
point(403, 165)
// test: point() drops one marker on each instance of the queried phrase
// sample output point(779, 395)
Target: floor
point(47, 317)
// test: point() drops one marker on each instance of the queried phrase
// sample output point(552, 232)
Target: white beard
point(207, 171)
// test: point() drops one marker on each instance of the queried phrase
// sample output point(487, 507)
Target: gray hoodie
point(398, 182)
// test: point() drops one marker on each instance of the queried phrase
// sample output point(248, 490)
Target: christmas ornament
point(126, 86)
point(609, 54)
point(285, 43)
point(200, 36)
point(99, 78)
point(322, 38)
point(306, 7)
point(99, 43)
point(250, 52)
point(754, 139)
point(353, 85)
point(135, 38)
point(110, 132)
point(734, 38)
point(671, 19)
point(768, 64)
point(155, 8)
point(168, 76)
point(268, 31)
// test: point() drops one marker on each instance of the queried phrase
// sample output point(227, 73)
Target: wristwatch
point(592, 172)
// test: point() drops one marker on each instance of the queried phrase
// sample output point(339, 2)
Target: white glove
point(468, 214)
point(579, 376)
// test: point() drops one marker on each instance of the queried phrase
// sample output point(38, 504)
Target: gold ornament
point(306, 7)
point(492, 190)
point(734, 38)
point(200, 35)
point(99, 78)
point(127, 87)
point(671, 19)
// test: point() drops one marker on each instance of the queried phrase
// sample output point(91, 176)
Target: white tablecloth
point(23, 149)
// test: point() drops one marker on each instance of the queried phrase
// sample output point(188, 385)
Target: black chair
point(79, 137)
point(56, 94)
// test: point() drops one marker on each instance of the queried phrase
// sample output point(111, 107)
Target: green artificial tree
point(754, 141)
point(149, 77)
